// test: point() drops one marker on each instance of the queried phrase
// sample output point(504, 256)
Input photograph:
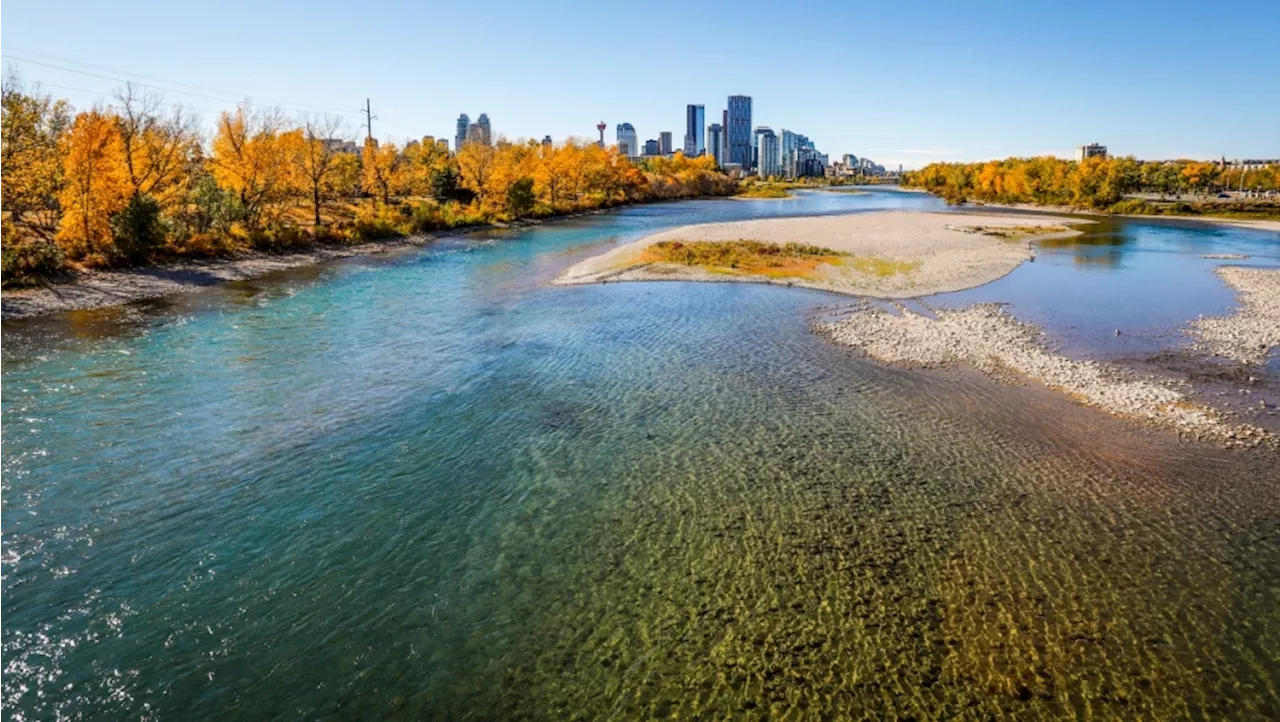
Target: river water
point(429, 485)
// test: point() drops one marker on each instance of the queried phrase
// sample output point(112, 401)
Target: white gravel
point(1248, 334)
point(988, 338)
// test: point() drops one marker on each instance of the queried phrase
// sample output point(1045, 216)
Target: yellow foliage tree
point(97, 185)
point(31, 168)
point(251, 160)
point(381, 170)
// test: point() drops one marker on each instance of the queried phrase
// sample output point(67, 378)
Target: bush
point(137, 230)
point(24, 262)
point(520, 197)
point(378, 220)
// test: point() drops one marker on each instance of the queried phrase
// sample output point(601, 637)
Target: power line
point(155, 87)
point(172, 82)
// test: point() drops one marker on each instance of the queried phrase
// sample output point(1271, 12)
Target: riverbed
point(432, 484)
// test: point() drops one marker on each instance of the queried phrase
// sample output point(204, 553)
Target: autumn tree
point(381, 170)
point(157, 149)
point(250, 158)
point(97, 185)
point(477, 163)
point(31, 167)
point(323, 170)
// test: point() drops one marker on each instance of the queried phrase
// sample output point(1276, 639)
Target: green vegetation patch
point(744, 256)
point(763, 191)
point(877, 266)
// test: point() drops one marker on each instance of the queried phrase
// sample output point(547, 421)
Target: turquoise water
point(432, 486)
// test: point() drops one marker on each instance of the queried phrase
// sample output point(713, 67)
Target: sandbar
point(937, 252)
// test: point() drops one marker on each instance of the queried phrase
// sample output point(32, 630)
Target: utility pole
point(369, 116)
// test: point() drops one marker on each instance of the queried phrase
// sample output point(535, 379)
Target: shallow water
point(432, 486)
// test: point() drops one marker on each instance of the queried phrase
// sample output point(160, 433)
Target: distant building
point(789, 142)
point(849, 160)
point(342, 145)
point(715, 143)
point(1249, 164)
point(628, 142)
point(695, 123)
point(652, 148)
point(601, 127)
point(485, 131)
point(768, 152)
point(1093, 150)
point(463, 123)
point(664, 143)
point(546, 141)
point(442, 144)
point(738, 130)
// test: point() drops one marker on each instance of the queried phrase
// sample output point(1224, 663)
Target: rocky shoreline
point(1248, 334)
point(988, 338)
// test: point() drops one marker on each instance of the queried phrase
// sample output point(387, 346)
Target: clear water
point(431, 486)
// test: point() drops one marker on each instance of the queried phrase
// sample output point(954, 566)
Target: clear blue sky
point(898, 81)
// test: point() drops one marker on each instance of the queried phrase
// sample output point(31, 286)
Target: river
point(430, 485)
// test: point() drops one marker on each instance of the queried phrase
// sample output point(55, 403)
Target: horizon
point(885, 96)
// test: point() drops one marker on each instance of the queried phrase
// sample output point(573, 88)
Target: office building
point(738, 130)
point(715, 143)
point(486, 134)
point(464, 122)
point(652, 148)
point(788, 143)
point(628, 142)
point(1093, 150)
point(695, 123)
point(768, 153)
point(547, 142)
point(664, 143)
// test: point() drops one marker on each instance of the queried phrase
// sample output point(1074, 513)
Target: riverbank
point(114, 287)
point(1250, 223)
point(988, 338)
point(887, 254)
point(1249, 333)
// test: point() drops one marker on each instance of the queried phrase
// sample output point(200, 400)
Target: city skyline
point(921, 83)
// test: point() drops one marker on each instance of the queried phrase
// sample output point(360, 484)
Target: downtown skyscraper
point(695, 124)
point(738, 130)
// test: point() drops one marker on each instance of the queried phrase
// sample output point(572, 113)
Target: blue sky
point(900, 82)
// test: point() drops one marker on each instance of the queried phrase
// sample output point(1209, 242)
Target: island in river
point(886, 254)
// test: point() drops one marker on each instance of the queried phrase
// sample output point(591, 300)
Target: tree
point(381, 168)
point(250, 158)
point(323, 170)
point(157, 150)
point(476, 164)
point(31, 167)
point(520, 197)
point(97, 185)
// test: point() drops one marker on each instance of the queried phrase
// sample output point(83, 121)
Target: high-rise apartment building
point(695, 139)
point(738, 130)
point(715, 142)
point(628, 142)
point(790, 143)
point(664, 143)
point(464, 122)
point(768, 153)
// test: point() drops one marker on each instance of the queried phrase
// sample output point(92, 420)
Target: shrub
point(27, 261)
point(137, 230)
point(520, 197)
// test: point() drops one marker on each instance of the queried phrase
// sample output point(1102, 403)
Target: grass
point(882, 267)
point(787, 260)
point(763, 191)
point(1013, 234)
point(744, 257)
